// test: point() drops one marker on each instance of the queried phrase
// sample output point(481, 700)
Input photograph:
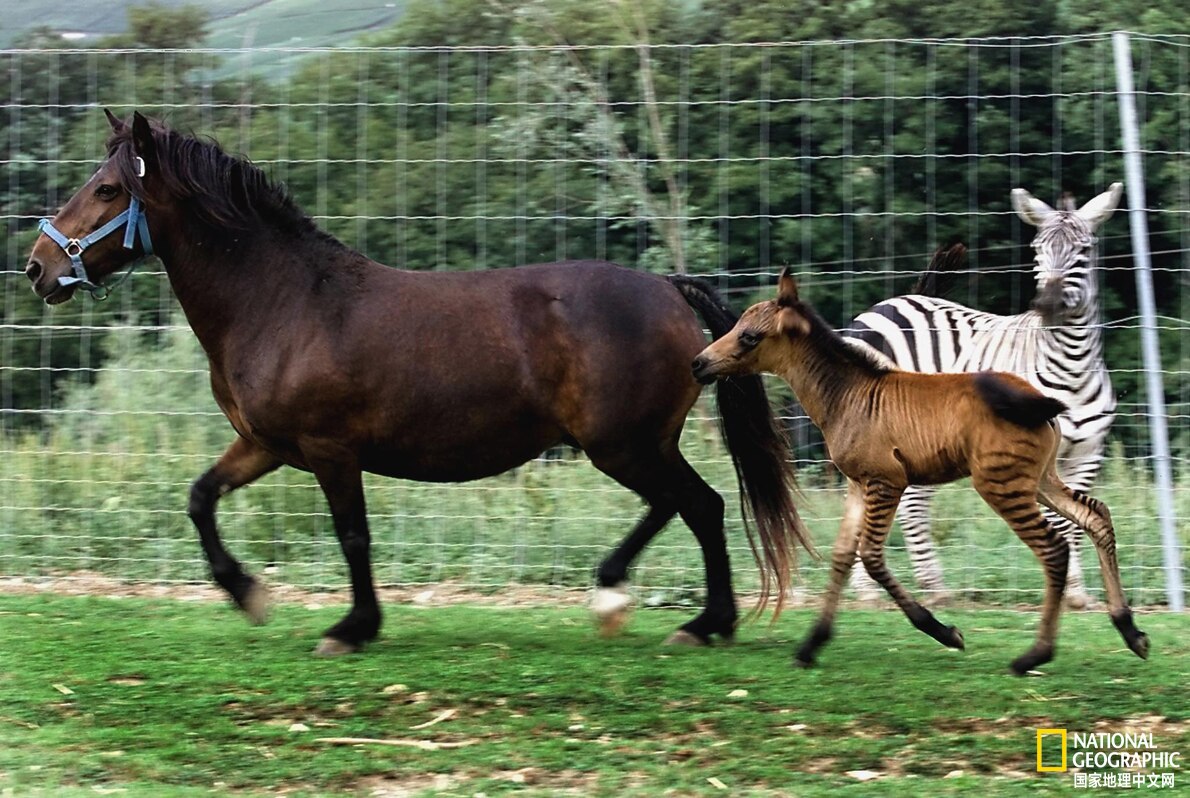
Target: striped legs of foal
point(1015, 500)
point(1093, 516)
point(842, 558)
point(880, 504)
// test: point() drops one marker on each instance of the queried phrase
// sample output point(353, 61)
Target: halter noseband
point(133, 216)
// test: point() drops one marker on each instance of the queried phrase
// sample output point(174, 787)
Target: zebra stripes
point(1056, 345)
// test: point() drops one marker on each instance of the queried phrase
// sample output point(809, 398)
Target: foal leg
point(842, 559)
point(1093, 516)
point(880, 503)
point(1014, 499)
point(243, 462)
point(342, 482)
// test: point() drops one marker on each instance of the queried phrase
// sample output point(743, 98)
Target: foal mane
point(226, 193)
point(838, 349)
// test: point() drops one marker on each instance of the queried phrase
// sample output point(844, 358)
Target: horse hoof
point(798, 662)
point(256, 604)
point(611, 607)
point(331, 647)
point(684, 638)
point(956, 638)
point(1140, 645)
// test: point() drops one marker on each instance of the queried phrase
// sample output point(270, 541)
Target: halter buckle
point(78, 247)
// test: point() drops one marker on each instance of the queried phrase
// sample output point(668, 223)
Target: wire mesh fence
point(849, 160)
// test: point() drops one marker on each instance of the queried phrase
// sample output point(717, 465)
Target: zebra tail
point(939, 276)
point(1015, 400)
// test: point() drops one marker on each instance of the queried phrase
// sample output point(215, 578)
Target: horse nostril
point(699, 364)
point(33, 271)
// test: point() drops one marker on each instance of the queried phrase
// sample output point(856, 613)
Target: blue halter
point(133, 216)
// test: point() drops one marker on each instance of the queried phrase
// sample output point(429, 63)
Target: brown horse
point(888, 429)
point(326, 361)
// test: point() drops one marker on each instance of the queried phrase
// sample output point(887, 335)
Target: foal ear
point(116, 122)
point(791, 322)
point(786, 287)
point(1031, 210)
point(142, 138)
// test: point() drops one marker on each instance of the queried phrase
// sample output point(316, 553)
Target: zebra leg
point(914, 515)
point(1077, 597)
point(1093, 516)
point(880, 503)
point(842, 558)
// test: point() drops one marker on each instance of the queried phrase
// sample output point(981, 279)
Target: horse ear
point(1099, 210)
point(116, 122)
point(142, 137)
point(786, 287)
point(1031, 210)
point(790, 321)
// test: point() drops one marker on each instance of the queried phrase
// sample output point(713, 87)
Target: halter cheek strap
point(132, 219)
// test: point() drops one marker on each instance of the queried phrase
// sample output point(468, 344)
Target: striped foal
point(1056, 345)
point(887, 429)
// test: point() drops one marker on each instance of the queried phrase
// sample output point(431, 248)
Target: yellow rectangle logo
point(1051, 733)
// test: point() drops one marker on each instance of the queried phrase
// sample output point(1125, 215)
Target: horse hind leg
point(611, 603)
point(242, 463)
point(880, 503)
point(669, 485)
point(1094, 518)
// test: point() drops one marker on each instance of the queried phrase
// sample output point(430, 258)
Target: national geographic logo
point(1051, 750)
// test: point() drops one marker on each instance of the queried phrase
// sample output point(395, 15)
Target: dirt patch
point(86, 583)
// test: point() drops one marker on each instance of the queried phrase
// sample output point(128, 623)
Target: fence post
point(1138, 223)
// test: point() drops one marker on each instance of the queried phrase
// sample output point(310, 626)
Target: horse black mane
point(226, 193)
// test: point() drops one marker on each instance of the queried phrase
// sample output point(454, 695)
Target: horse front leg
point(341, 481)
point(242, 463)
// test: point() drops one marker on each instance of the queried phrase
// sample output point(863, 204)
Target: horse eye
point(749, 339)
point(106, 191)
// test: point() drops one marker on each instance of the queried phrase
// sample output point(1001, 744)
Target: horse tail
point(760, 454)
point(1015, 400)
point(939, 276)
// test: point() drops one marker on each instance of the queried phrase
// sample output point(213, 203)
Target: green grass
point(158, 697)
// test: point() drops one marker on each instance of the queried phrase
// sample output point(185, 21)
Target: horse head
point(103, 227)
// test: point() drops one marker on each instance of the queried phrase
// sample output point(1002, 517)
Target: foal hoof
point(684, 638)
point(332, 647)
point(256, 604)
point(611, 607)
point(1140, 645)
point(956, 638)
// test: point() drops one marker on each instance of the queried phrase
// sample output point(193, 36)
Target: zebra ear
point(786, 287)
point(1031, 210)
point(1099, 210)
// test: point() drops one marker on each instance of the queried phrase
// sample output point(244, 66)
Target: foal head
point(1065, 252)
point(755, 343)
point(102, 228)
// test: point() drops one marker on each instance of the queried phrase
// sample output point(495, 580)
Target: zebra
point(1056, 345)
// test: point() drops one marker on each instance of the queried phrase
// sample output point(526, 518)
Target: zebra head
point(1065, 252)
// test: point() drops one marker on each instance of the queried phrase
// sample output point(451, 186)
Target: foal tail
point(1015, 400)
point(760, 454)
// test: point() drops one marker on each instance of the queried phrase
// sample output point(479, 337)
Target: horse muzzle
point(48, 289)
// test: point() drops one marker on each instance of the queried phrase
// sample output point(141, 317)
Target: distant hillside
point(233, 23)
